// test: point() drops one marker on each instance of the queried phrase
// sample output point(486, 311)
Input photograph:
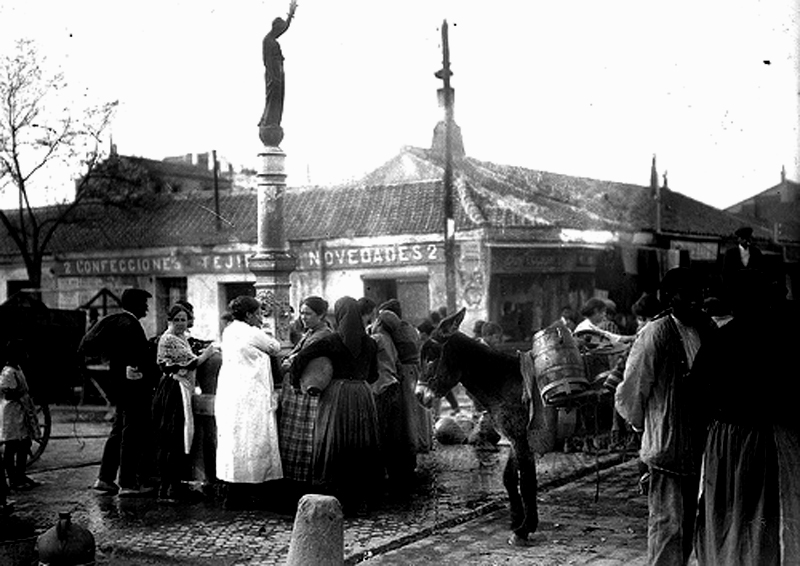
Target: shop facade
point(527, 244)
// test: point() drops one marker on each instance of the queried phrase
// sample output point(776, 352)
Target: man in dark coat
point(744, 255)
point(121, 339)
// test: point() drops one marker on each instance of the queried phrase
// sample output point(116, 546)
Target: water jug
point(66, 544)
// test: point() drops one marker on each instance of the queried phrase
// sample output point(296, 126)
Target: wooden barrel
point(559, 367)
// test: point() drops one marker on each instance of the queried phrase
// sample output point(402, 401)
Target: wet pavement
point(458, 505)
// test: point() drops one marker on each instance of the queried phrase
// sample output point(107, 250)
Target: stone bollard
point(318, 533)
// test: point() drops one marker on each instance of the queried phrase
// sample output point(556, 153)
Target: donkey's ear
point(449, 324)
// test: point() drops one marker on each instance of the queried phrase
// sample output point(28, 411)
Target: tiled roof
point(404, 196)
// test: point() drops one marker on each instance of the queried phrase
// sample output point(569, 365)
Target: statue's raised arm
point(289, 16)
point(270, 130)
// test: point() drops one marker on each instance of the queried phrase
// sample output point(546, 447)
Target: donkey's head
point(437, 376)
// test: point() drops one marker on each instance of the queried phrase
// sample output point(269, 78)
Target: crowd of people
point(336, 414)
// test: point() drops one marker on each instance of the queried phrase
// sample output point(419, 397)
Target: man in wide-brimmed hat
point(744, 255)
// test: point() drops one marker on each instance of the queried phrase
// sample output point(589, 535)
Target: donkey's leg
point(526, 461)
point(511, 483)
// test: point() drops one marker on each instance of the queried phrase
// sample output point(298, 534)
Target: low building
point(527, 243)
point(777, 209)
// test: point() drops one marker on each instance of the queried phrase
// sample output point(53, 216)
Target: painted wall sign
point(370, 256)
point(540, 261)
point(153, 265)
point(705, 251)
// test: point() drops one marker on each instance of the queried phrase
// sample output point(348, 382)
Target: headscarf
point(392, 305)
point(389, 320)
point(349, 325)
point(316, 304)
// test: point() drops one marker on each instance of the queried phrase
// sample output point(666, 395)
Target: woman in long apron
point(246, 403)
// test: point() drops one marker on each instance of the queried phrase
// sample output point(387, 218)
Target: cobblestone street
point(457, 514)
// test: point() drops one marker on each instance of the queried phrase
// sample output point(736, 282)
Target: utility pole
point(449, 219)
point(216, 190)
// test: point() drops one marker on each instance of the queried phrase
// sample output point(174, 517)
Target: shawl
point(349, 325)
point(174, 352)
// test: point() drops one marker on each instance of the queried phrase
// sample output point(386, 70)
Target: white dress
point(245, 405)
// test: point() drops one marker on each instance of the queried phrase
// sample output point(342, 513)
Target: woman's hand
point(210, 350)
point(286, 363)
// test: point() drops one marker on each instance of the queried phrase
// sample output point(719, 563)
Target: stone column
point(273, 264)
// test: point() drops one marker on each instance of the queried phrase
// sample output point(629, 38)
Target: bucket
point(559, 367)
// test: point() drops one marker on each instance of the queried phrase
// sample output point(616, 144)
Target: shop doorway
point(411, 292)
point(169, 290)
point(233, 290)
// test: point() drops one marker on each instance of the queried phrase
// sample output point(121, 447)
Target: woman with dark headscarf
point(347, 457)
point(298, 409)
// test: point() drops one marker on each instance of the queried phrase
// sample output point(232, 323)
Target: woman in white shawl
point(172, 404)
point(245, 405)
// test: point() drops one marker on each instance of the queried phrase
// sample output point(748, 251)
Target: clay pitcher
point(66, 544)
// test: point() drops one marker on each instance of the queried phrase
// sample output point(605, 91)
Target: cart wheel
point(45, 424)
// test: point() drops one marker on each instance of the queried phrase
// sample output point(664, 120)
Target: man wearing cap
point(121, 339)
point(656, 398)
point(742, 256)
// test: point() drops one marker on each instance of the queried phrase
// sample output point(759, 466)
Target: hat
point(134, 297)
point(744, 232)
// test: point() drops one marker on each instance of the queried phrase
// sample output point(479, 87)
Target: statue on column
point(269, 127)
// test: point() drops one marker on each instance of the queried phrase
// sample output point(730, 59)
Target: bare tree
point(46, 141)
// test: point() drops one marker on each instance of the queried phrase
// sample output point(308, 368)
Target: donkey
point(494, 379)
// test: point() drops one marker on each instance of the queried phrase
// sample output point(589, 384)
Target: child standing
point(18, 424)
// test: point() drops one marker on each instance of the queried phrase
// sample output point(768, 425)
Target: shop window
point(525, 303)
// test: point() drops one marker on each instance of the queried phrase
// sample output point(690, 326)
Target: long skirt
point(397, 446)
point(739, 510)
point(168, 421)
point(418, 419)
point(298, 414)
point(347, 456)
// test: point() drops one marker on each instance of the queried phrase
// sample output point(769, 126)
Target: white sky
point(582, 88)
